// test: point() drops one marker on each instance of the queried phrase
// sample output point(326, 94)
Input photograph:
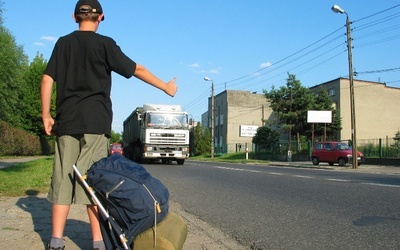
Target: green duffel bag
point(169, 234)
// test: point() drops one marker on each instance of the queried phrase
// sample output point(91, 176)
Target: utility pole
point(289, 155)
point(337, 9)
point(352, 103)
point(212, 115)
point(212, 120)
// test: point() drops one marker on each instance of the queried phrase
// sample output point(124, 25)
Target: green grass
point(231, 158)
point(32, 178)
point(26, 178)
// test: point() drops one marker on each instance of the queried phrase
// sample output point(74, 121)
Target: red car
point(116, 148)
point(334, 152)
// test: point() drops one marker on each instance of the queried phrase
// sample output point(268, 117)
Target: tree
point(265, 138)
point(202, 140)
point(324, 102)
point(115, 137)
point(290, 104)
point(13, 62)
point(30, 96)
point(396, 144)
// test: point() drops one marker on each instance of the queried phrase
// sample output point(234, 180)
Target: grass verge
point(231, 158)
point(26, 178)
point(34, 177)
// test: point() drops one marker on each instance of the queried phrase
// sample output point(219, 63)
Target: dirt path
point(26, 224)
point(8, 162)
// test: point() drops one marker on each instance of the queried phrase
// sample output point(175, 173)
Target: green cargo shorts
point(83, 151)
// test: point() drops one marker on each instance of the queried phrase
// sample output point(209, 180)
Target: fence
point(371, 148)
point(379, 148)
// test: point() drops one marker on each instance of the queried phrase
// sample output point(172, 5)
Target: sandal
point(54, 248)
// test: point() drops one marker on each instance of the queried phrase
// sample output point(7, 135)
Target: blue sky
point(240, 44)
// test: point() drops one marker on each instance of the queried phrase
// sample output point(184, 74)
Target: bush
point(14, 141)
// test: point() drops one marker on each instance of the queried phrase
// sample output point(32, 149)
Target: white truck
point(157, 132)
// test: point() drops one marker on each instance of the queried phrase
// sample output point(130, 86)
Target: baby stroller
point(131, 202)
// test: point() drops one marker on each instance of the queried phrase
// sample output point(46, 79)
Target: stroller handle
point(112, 222)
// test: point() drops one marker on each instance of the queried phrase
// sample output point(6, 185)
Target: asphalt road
point(266, 207)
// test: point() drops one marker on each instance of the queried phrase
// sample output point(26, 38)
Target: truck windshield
point(172, 121)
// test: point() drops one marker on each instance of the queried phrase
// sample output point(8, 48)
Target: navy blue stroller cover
point(134, 199)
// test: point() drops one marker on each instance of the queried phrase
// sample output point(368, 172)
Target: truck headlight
point(148, 149)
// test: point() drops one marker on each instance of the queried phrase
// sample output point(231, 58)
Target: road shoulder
point(26, 224)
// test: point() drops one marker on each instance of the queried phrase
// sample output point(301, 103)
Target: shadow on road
point(77, 229)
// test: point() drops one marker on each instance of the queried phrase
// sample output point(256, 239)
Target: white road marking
point(379, 184)
point(339, 180)
point(274, 173)
point(303, 176)
point(238, 169)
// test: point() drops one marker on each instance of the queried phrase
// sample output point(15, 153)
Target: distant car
point(116, 148)
point(334, 152)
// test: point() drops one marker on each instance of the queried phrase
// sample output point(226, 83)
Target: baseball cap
point(95, 7)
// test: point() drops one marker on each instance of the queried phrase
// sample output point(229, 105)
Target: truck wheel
point(180, 161)
point(136, 158)
point(136, 154)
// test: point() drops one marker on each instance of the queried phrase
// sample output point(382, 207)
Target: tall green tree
point(13, 63)
point(202, 140)
point(324, 102)
point(30, 96)
point(290, 104)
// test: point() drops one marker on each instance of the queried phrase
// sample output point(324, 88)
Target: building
point(376, 106)
point(238, 114)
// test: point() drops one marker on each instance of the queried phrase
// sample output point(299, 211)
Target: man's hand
point(48, 124)
point(171, 88)
point(145, 75)
point(46, 87)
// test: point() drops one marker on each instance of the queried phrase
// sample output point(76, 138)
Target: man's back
point(81, 64)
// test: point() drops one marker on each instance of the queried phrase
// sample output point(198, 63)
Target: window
point(328, 146)
point(319, 146)
point(331, 92)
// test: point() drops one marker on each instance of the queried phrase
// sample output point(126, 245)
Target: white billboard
point(318, 116)
point(248, 130)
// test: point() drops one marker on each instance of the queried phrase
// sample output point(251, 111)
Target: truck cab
point(157, 132)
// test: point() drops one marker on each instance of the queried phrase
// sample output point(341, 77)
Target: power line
point(377, 13)
point(284, 58)
point(377, 71)
point(305, 56)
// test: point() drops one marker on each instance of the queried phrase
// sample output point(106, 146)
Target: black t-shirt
point(81, 65)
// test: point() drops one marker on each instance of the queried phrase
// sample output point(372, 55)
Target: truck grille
point(167, 140)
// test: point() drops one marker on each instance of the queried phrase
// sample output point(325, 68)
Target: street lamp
point(212, 115)
point(337, 9)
